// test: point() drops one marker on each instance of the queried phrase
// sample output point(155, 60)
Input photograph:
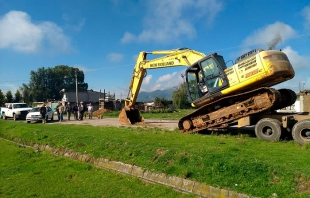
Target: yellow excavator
point(220, 95)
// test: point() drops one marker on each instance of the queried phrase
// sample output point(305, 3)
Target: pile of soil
point(100, 112)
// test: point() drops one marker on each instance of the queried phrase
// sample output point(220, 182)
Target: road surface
point(167, 124)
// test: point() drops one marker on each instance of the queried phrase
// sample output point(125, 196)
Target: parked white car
point(34, 115)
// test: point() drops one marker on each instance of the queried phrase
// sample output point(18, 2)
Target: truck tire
point(4, 117)
point(268, 129)
point(301, 131)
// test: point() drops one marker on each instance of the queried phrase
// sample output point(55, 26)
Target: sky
point(103, 38)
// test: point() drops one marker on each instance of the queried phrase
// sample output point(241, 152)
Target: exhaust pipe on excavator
point(130, 116)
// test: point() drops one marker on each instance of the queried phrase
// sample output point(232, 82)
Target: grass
point(237, 162)
point(26, 173)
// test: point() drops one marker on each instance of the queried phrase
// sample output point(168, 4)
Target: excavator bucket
point(130, 116)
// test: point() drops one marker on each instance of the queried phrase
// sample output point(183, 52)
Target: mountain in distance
point(150, 96)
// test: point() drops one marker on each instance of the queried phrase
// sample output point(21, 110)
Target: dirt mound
point(101, 111)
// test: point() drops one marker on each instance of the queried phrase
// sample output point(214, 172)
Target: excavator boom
point(171, 58)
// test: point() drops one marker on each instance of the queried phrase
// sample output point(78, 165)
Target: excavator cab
point(206, 77)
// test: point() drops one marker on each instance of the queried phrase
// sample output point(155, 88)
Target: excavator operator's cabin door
point(206, 77)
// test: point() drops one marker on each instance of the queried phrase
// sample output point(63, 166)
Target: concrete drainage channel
point(184, 185)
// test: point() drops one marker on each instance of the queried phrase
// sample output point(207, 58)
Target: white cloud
point(163, 82)
point(296, 84)
point(300, 65)
point(128, 37)
point(306, 14)
point(166, 77)
point(115, 57)
point(55, 37)
point(147, 79)
point(5, 87)
point(272, 34)
point(297, 61)
point(83, 68)
point(167, 21)
point(21, 34)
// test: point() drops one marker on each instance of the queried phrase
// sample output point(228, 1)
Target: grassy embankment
point(237, 162)
point(26, 173)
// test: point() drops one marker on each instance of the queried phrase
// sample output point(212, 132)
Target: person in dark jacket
point(75, 111)
point(82, 109)
point(57, 110)
point(42, 111)
point(69, 110)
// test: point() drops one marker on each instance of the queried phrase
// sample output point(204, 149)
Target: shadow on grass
point(233, 131)
point(248, 131)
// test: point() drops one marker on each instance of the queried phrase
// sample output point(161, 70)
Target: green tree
point(157, 102)
point(9, 96)
point(2, 98)
point(164, 102)
point(25, 91)
point(161, 102)
point(18, 96)
point(179, 96)
point(46, 83)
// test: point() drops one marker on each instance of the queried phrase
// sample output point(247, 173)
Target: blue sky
point(103, 38)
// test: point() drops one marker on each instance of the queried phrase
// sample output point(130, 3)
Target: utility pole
point(76, 89)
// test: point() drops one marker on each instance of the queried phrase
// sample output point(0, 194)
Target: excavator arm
point(170, 58)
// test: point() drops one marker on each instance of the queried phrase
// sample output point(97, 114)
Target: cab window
point(209, 67)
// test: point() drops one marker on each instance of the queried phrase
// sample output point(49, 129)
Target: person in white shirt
point(90, 111)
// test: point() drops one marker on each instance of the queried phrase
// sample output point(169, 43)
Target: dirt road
point(167, 124)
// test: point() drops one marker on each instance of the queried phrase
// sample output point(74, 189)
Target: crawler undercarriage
point(221, 113)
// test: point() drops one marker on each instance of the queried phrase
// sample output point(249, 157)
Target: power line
point(239, 46)
point(13, 81)
point(222, 49)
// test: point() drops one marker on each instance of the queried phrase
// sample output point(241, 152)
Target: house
point(98, 99)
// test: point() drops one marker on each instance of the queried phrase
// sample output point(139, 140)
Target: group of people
point(77, 110)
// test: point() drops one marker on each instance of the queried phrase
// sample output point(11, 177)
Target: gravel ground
point(167, 124)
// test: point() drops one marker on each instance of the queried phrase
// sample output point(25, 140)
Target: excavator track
point(219, 114)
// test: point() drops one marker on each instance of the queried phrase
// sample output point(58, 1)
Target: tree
point(26, 96)
point(164, 102)
point(9, 96)
point(18, 96)
point(179, 96)
point(2, 98)
point(161, 102)
point(46, 83)
point(157, 102)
